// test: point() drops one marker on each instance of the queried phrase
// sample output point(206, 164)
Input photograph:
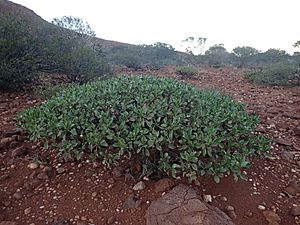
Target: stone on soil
point(295, 211)
point(139, 186)
point(4, 177)
point(183, 206)
point(19, 152)
point(33, 166)
point(163, 185)
point(111, 220)
point(129, 202)
point(17, 196)
point(271, 217)
point(283, 141)
point(60, 170)
point(13, 132)
point(207, 198)
point(297, 130)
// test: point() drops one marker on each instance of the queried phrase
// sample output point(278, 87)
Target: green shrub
point(275, 74)
point(17, 56)
point(186, 71)
point(170, 125)
point(130, 61)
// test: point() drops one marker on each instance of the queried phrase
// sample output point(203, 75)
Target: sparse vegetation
point(276, 74)
point(167, 124)
point(187, 72)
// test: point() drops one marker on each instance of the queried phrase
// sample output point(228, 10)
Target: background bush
point(276, 74)
point(186, 71)
point(166, 124)
point(17, 56)
point(65, 52)
point(27, 49)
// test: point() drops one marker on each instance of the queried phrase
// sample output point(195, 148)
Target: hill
point(8, 8)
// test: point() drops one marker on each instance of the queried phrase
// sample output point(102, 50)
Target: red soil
point(87, 193)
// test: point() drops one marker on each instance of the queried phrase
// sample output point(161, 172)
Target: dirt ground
point(38, 188)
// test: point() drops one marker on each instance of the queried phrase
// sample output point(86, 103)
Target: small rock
point(273, 110)
point(284, 142)
point(13, 132)
point(7, 203)
point(197, 183)
point(19, 152)
point(295, 211)
point(27, 211)
point(223, 199)
point(138, 203)
point(139, 186)
point(43, 176)
point(232, 215)
point(207, 198)
point(260, 129)
point(129, 202)
point(111, 220)
point(33, 166)
point(261, 207)
point(60, 170)
point(271, 217)
point(94, 194)
point(163, 185)
point(80, 223)
point(290, 191)
point(4, 177)
point(289, 155)
point(229, 208)
point(297, 130)
point(111, 180)
point(6, 141)
point(83, 218)
point(47, 170)
point(248, 214)
point(294, 184)
point(17, 196)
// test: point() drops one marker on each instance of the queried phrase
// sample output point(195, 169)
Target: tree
point(217, 55)
point(244, 53)
point(194, 46)
point(75, 24)
point(270, 56)
point(297, 44)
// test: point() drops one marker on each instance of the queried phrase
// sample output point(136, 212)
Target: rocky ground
point(36, 187)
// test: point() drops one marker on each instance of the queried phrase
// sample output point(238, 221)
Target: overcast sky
point(262, 24)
